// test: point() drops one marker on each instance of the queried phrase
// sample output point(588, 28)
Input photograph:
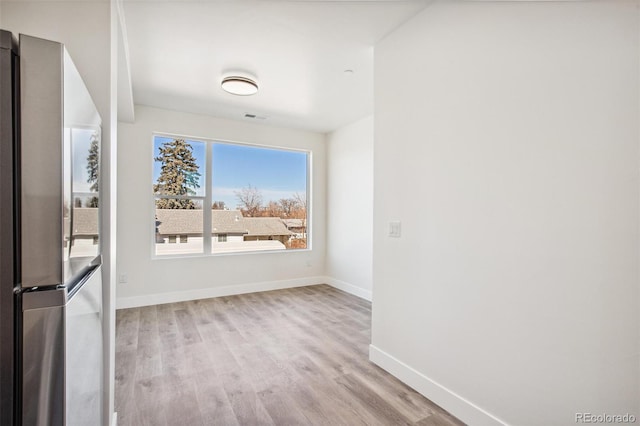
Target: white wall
point(350, 207)
point(506, 141)
point(85, 29)
point(161, 280)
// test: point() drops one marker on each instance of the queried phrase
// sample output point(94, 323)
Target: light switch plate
point(394, 229)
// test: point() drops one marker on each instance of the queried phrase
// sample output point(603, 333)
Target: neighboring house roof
point(227, 222)
point(265, 226)
point(177, 222)
point(85, 221)
point(294, 223)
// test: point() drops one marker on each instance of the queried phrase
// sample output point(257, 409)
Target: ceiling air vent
point(254, 116)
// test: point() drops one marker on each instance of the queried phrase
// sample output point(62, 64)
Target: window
point(256, 197)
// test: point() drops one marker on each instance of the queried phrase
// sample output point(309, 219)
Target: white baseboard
point(445, 398)
point(206, 293)
point(349, 288)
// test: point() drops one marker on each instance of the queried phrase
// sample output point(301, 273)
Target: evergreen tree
point(178, 174)
point(93, 168)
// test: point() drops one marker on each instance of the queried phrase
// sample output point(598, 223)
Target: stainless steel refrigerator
point(50, 285)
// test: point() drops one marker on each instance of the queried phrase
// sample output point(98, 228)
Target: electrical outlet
point(123, 279)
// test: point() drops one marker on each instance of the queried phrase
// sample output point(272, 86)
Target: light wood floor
point(285, 357)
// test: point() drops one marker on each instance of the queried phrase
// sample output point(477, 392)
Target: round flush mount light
point(241, 86)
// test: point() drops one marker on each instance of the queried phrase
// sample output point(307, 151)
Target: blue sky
point(276, 173)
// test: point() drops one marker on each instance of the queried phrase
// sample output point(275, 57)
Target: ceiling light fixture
point(241, 86)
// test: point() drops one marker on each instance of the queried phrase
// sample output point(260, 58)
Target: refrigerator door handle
point(48, 298)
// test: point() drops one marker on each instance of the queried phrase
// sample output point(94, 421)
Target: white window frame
point(207, 199)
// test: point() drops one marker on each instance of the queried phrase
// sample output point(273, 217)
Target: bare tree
point(250, 199)
point(288, 206)
point(301, 212)
point(301, 201)
point(273, 209)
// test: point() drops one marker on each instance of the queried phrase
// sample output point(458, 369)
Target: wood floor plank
point(187, 329)
point(148, 327)
point(125, 373)
point(281, 408)
point(327, 396)
point(374, 402)
point(308, 401)
point(408, 401)
point(150, 397)
point(172, 361)
point(340, 401)
point(127, 330)
point(220, 312)
point(286, 357)
point(222, 359)
point(205, 321)
point(214, 405)
point(148, 361)
point(182, 401)
point(438, 419)
point(167, 327)
point(244, 400)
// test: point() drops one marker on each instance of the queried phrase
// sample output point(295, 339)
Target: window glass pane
point(84, 221)
point(259, 198)
point(178, 226)
point(178, 166)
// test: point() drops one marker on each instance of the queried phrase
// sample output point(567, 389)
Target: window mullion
point(208, 200)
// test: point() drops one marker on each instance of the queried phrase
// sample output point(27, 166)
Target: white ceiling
point(298, 50)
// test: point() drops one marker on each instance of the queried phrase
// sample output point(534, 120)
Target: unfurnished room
point(314, 212)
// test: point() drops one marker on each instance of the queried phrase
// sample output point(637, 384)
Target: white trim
point(114, 421)
point(206, 293)
point(445, 398)
point(349, 288)
point(125, 109)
